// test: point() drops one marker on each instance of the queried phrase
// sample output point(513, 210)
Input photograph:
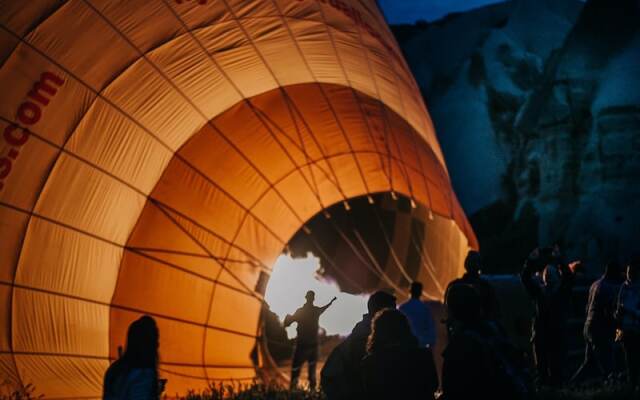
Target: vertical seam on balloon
point(381, 272)
point(396, 76)
point(333, 111)
point(339, 59)
point(304, 149)
point(302, 56)
point(358, 29)
point(385, 116)
point(275, 78)
point(259, 114)
point(324, 157)
point(315, 189)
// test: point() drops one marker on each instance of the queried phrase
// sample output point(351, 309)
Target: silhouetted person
point(134, 376)
point(396, 367)
point(341, 374)
point(552, 302)
point(628, 316)
point(420, 317)
point(306, 349)
point(479, 362)
point(488, 299)
point(600, 325)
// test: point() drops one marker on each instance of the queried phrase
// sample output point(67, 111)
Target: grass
point(263, 392)
point(8, 392)
point(254, 391)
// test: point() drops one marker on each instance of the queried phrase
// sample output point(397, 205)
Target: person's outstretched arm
point(324, 308)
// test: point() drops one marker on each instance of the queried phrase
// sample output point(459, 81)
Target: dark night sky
point(408, 11)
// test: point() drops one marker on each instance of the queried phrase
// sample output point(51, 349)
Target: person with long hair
point(134, 376)
point(396, 366)
point(342, 371)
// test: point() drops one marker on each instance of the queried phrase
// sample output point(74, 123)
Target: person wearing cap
point(628, 319)
point(420, 318)
point(306, 350)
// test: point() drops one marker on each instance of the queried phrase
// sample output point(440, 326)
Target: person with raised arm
point(307, 317)
point(552, 298)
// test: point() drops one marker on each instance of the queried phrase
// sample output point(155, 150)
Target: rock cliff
point(537, 107)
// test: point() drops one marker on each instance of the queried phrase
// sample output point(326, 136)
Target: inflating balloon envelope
point(157, 156)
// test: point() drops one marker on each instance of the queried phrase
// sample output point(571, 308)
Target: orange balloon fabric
point(157, 156)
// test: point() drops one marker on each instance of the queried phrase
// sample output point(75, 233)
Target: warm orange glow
point(181, 147)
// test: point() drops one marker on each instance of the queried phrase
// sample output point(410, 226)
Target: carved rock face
point(547, 131)
point(608, 216)
point(588, 148)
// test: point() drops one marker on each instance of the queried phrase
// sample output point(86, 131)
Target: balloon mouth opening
point(343, 252)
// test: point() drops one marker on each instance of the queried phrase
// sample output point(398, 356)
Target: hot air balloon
point(157, 156)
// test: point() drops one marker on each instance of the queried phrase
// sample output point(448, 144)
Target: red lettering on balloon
point(29, 113)
point(15, 139)
point(5, 167)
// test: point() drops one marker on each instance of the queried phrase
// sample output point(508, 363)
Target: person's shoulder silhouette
point(395, 366)
point(135, 374)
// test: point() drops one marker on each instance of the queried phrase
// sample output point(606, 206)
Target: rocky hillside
point(537, 108)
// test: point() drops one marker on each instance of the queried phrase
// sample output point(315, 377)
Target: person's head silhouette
point(140, 354)
point(416, 290)
point(379, 301)
point(390, 328)
point(310, 296)
point(473, 263)
point(143, 340)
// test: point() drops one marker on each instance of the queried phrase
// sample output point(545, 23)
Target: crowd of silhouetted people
point(389, 353)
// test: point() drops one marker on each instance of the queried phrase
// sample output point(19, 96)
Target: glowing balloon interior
point(156, 157)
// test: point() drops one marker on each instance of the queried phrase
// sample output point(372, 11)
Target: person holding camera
point(552, 297)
